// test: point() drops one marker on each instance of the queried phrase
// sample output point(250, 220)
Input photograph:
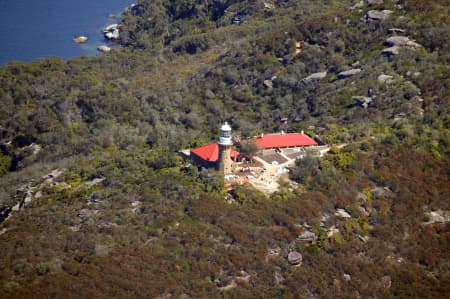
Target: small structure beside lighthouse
point(225, 144)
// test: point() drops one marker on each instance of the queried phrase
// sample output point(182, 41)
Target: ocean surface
point(32, 29)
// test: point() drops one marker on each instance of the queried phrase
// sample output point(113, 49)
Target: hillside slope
point(95, 202)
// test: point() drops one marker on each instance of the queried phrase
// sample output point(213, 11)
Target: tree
point(249, 148)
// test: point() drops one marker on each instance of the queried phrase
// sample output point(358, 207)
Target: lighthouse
point(225, 143)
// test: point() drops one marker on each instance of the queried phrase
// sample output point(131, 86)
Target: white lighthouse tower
point(225, 143)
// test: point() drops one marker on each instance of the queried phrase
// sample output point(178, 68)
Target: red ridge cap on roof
point(283, 140)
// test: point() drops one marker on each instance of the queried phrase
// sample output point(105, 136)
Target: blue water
point(32, 29)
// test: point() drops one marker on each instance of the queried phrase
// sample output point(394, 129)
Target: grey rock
point(359, 4)
point(374, 2)
point(104, 49)
point(413, 44)
point(307, 236)
point(342, 213)
point(347, 277)
point(380, 192)
point(314, 77)
point(363, 101)
point(363, 211)
point(385, 79)
point(438, 216)
point(379, 15)
point(295, 258)
point(274, 251)
point(391, 51)
point(402, 41)
point(349, 73)
point(332, 231)
point(268, 84)
point(396, 30)
point(397, 40)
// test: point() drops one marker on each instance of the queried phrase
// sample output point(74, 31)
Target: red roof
point(284, 140)
point(210, 152)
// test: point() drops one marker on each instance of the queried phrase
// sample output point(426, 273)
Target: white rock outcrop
point(378, 15)
point(349, 73)
point(314, 77)
point(295, 258)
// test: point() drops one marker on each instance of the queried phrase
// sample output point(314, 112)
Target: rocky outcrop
point(396, 31)
point(363, 101)
point(374, 2)
point(268, 84)
point(111, 31)
point(391, 51)
point(349, 73)
point(378, 15)
point(307, 236)
point(438, 216)
point(342, 213)
point(382, 79)
point(332, 231)
point(401, 41)
point(295, 258)
point(104, 49)
point(314, 77)
point(359, 4)
point(80, 39)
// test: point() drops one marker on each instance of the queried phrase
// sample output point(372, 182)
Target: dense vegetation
point(128, 218)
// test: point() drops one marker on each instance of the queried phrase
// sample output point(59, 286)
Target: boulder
point(314, 77)
point(385, 79)
point(396, 30)
point(295, 258)
point(390, 51)
point(363, 211)
point(307, 236)
point(268, 84)
point(402, 41)
point(111, 31)
point(413, 44)
point(349, 73)
point(104, 49)
point(112, 34)
point(274, 251)
point(397, 40)
point(342, 213)
point(363, 101)
point(381, 192)
point(374, 2)
point(347, 277)
point(332, 231)
point(378, 15)
point(438, 216)
point(80, 39)
point(359, 4)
